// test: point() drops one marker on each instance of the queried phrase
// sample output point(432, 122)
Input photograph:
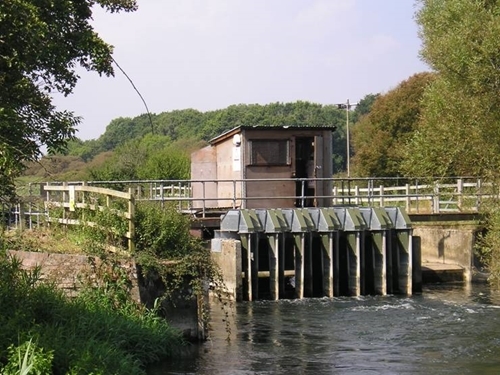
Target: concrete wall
point(67, 272)
point(227, 254)
point(447, 243)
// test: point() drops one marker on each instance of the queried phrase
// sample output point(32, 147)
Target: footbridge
point(358, 236)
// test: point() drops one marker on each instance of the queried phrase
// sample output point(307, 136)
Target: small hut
point(264, 167)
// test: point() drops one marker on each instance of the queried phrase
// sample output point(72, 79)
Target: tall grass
point(96, 332)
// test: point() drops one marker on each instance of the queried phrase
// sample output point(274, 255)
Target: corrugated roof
point(238, 129)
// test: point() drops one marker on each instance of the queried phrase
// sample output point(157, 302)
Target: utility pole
point(347, 105)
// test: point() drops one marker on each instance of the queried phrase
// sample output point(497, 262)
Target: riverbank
point(100, 331)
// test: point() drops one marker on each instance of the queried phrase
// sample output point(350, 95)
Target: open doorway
point(305, 168)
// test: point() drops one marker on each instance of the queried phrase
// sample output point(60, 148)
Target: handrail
point(417, 194)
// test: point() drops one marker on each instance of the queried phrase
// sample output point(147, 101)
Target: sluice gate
point(317, 252)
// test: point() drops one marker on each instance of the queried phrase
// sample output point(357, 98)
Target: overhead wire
point(137, 91)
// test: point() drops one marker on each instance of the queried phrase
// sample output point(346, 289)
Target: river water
point(444, 330)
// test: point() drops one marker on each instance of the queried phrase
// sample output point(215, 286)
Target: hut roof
point(238, 129)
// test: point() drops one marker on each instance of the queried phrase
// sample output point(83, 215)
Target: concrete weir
point(315, 252)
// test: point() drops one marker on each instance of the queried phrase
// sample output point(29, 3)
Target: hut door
point(304, 169)
point(318, 171)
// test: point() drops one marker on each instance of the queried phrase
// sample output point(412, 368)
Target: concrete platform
point(442, 273)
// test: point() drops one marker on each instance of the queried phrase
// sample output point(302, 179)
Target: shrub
point(162, 231)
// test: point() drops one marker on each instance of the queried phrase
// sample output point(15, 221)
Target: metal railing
point(201, 197)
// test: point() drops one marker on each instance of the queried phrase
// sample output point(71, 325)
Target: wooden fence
point(78, 198)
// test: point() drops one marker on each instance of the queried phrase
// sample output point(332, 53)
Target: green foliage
point(124, 163)
point(460, 42)
point(162, 231)
point(167, 164)
point(180, 124)
point(57, 167)
point(489, 242)
point(450, 118)
point(380, 136)
point(102, 230)
point(462, 107)
point(459, 132)
point(40, 46)
point(101, 331)
point(28, 358)
point(122, 129)
point(167, 251)
point(364, 106)
point(150, 157)
point(85, 150)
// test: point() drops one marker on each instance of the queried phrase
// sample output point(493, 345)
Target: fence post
point(83, 194)
point(478, 196)
point(21, 216)
point(382, 200)
point(303, 194)
point(131, 226)
point(356, 191)
point(234, 194)
point(335, 195)
point(460, 192)
point(64, 197)
point(436, 199)
point(370, 192)
point(203, 196)
point(162, 195)
point(408, 199)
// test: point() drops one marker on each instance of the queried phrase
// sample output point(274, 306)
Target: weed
point(99, 331)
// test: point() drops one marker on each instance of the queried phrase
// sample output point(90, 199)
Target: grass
point(101, 331)
point(44, 240)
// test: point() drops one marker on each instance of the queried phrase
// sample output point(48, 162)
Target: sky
point(210, 54)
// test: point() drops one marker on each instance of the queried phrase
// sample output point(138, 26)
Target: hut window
point(270, 152)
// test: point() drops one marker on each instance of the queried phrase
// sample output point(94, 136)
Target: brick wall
point(68, 271)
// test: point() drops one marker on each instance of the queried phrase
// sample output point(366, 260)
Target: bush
point(162, 231)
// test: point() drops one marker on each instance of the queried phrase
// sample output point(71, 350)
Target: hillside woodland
point(158, 146)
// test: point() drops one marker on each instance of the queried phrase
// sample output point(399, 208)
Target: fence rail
point(417, 195)
point(65, 204)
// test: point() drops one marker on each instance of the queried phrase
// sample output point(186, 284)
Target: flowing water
point(445, 330)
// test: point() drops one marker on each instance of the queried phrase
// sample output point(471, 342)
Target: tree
point(364, 106)
point(460, 132)
point(41, 43)
point(379, 137)
point(190, 124)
